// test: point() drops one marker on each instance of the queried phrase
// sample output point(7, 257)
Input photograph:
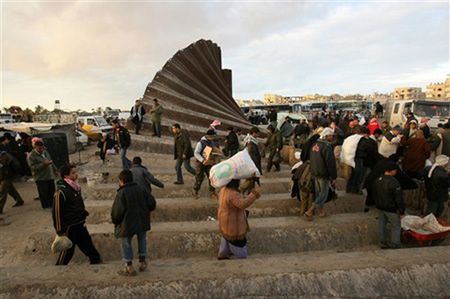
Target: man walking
point(6, 185)
point(323, 169)
point(69, 217)
point(122, 139)
point(182, 152)
point(44, 172)
point(231, 143)
point(204, 153)
point(131, 216)
point(137, 115)
point(437, 182)
point(142, 177)
point(156, 115)
point(274, 144)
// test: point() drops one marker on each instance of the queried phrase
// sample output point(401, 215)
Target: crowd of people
point(370, 155)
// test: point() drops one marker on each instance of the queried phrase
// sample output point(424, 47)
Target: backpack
point(305, 180)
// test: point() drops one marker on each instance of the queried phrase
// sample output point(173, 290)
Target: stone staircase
point(335, 256)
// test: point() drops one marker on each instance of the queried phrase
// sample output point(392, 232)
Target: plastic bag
point(61, 243)
point(240, 166)
point(426, 225)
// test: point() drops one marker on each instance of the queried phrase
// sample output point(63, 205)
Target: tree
point(38, 109)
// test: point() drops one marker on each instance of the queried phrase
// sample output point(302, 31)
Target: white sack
point(348, 151)
point(240, 166)
point(426, 225)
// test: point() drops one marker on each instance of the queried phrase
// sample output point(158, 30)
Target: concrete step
point(165, 175)
point(108, 191)
point(403, 273)
point(186, 209)
point(273, 235)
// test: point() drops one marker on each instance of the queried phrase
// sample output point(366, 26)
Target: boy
point(131, 216)
point(390, 204)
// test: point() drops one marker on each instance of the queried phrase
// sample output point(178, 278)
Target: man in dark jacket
point(365, 159)
point(251, 143)
point(69, 217)
point(274, 144)
point(323, 169)
point(131, 216)
point(122, 139)
point(137, 115)
point(142, 177)
point(231, 143)
point(389, 202)
point(437, 182)
point(105, 144)
point(7, 173)
point(183, 152)
point(301, 133)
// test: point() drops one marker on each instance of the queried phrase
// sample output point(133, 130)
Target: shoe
point(220, 258)
point(36, 198)
point(178, 183)
point(309, 217)
point(142, 266)
point(128, 271)
point(322, 213)
point(384, 245)
point(195, 194)
point(18, 204)
point(96, 262)
point(366, 210)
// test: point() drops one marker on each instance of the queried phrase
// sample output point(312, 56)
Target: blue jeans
point(127, 249)
point(394, 220)
point(187, 166)
point(322, 187)
point(126, 164)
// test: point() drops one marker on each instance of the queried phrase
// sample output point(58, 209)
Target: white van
point(436, 111)
point(6, 118)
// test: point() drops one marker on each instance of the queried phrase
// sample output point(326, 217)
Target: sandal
point(309, 217)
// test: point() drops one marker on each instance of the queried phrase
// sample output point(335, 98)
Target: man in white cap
point(323, 169)
point(437, 182)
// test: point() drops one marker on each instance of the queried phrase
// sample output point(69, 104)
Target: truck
point(93, 126)
point(396, 111)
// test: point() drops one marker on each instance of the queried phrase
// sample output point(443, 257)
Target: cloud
point(106, 53)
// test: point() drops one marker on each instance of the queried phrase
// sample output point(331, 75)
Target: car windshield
point(432, 109)
point(101, 121)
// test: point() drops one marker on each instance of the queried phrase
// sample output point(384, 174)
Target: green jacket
point(40, 171)
point(156, 113)
point(274, 140)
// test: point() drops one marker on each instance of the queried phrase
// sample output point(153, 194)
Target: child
point(131, 216)
point(390, 204)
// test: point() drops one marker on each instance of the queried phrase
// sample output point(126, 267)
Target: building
point(270, 99)
point(440, 90)
point(249, 102)
point(407, 93)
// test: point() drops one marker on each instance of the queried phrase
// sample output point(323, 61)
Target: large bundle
point(240, 166)
point(348, 151)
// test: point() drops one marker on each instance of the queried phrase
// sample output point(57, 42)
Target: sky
point(104, 53)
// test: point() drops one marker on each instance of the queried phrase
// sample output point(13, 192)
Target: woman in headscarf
point(437, 182)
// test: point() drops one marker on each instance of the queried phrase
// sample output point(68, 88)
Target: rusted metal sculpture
point(194, 90)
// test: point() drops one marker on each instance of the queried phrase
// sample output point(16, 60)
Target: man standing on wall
point(137, 115)
point(156, 114)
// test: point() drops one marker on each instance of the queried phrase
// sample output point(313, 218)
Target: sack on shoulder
point(61, 243)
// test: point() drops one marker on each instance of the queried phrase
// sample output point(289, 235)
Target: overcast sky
point(89, 54)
